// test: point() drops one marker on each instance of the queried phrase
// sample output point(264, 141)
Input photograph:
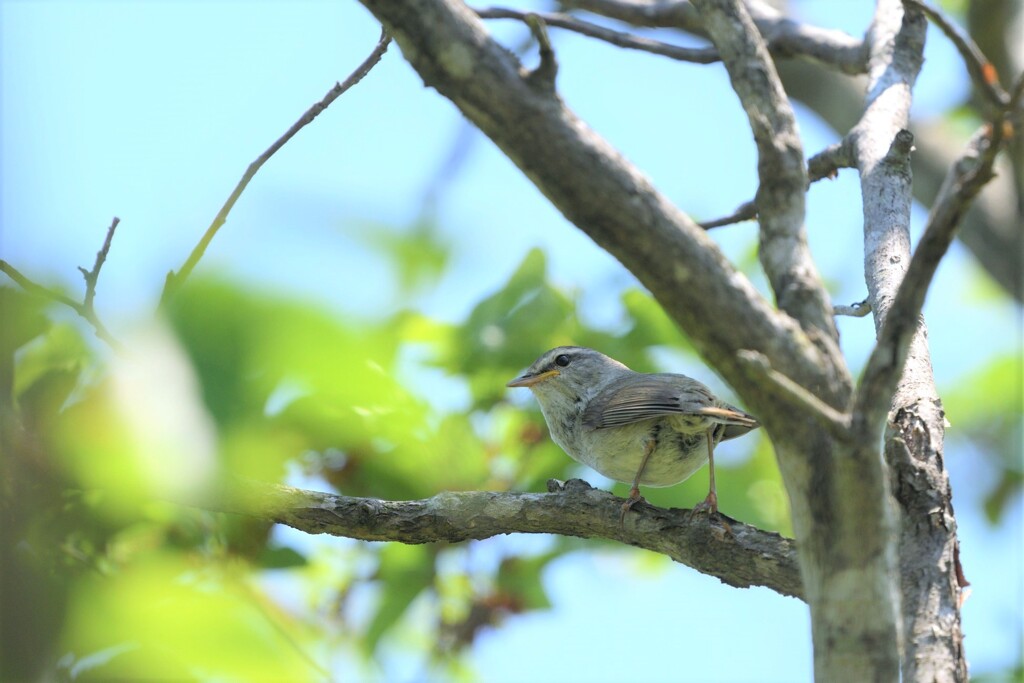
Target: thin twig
point(824, 164)
point(705, 55)
point(92, 276)
point(175, 280)
point(785, 37)
point(836, 421)
point(857, 310)
point(827, 162)
point(30, 286)
point(86, 311)
point(747, 211)
point(981, 70)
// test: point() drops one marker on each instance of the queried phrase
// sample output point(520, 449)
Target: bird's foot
point(634, 498)
point(709, 506)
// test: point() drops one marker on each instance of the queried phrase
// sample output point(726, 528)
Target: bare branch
point(35, 288)
point(92, 276)
point(747, 211)
point(897, 390)
point(784, 253)
point(745, 557)
point(176, 279)
point(837, 422)
point(827, 162)
point(981, 71)
point(857, 310)
point(618, 38)
point(885, 365)
point(824, 164)
point(85, 309)
point(783, 36)
point(680, 14)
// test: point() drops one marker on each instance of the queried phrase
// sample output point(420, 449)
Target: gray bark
point(738, 554)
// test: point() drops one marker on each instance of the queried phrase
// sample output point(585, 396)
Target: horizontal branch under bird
point(740, 555)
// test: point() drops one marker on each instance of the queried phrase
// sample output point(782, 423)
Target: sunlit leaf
point(161, 617)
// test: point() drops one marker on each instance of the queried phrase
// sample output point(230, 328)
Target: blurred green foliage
point(988, 410)
point(103, 579)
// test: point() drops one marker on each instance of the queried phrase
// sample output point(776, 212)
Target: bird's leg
point(709, 504)
point(634, 491)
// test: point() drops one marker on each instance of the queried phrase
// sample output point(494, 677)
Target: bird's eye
point(562, 360)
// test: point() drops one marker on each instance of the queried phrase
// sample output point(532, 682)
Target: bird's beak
point(530, 380)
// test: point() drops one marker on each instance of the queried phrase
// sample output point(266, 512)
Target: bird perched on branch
point(651, 429)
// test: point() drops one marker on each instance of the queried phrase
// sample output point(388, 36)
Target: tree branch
point(92, 276)
point(827, 162)
point(86, 308)
point(824, 164)
point(929, 617)
point(885, 365)
point(745, 557)
point(784, 253)
point(747, 211)
point(836, 421)
point(979, 68)
point(898, 43)
point(857, 310)
point(618, 38)
point(784, 37)
point(176, 279)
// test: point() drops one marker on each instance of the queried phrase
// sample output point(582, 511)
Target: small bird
point(651, 429)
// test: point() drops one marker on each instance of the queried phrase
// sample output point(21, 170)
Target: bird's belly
point(618, 452)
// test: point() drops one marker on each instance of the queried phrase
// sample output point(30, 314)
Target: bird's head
point(569, 371)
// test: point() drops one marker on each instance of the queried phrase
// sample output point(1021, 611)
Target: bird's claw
point(710, 506)
point(634, 498)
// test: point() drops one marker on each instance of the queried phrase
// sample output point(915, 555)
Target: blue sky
point(151, 111)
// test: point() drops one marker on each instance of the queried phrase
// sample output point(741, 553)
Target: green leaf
point(651, 325)
point(23, 319)
point(418, 254)
point(508, 329)
point(282, 557)
point(40, 402)
point(521, 579)
point(61, 348)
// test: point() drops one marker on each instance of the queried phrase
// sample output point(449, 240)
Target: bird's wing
point(641, 397)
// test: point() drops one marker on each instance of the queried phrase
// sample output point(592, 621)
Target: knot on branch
point(901, 147)
point(543, 77)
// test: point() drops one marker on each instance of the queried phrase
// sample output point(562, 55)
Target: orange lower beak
point(530, 380)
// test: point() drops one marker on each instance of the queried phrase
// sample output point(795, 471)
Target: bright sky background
point(151, 111)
